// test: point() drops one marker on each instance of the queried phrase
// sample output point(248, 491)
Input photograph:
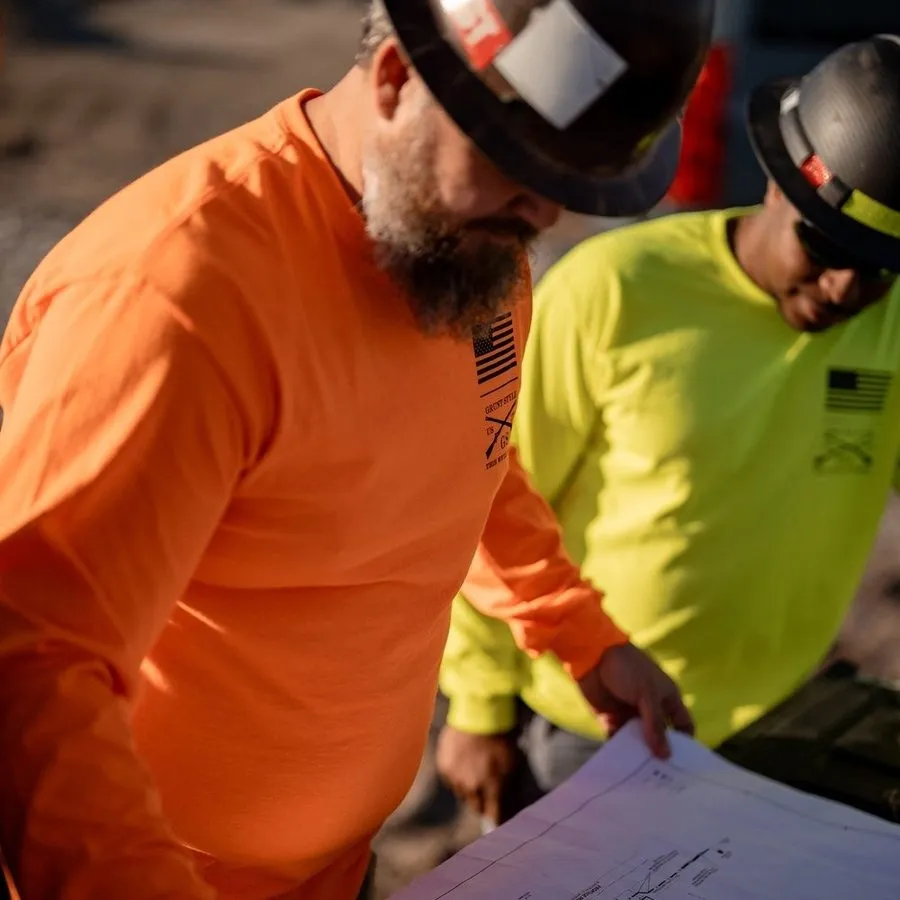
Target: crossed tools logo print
point(499, 430)
point(846, 452)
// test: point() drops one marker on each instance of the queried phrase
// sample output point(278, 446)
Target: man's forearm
point(522, 574)
point(79, 817)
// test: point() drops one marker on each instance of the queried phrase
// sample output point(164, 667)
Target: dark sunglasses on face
point(825, 254)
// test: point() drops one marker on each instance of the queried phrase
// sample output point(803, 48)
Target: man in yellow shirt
point(710, 404)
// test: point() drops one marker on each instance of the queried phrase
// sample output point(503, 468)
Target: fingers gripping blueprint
point(629, 827)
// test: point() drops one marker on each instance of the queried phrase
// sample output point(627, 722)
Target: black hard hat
point(831, 142)
point(576, 99)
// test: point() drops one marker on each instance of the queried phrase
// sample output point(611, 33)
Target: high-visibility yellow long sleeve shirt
point(720, 474)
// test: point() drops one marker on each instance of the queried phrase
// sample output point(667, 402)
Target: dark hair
point(377, 29)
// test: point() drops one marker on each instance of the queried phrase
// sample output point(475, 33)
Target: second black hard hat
point(830, 141)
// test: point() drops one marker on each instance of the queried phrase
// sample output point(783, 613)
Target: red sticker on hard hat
point(480, 28)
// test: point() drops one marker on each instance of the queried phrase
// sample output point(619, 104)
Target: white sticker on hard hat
point(558, 64)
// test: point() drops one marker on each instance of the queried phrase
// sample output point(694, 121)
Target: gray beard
point(449, 296)
point(452, 284)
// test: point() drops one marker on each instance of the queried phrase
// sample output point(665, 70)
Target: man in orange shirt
point(257, 411)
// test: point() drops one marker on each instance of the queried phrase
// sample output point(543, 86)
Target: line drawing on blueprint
point(696, 870)
point(670, 873)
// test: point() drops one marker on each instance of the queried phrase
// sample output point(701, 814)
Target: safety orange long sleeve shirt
point(238, 491)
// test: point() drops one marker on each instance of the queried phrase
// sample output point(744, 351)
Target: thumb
point(654, 724)
point(491, 801)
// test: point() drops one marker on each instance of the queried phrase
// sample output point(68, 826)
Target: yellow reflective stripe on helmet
point(872, 214)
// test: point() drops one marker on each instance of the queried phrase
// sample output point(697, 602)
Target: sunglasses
point(825, 254)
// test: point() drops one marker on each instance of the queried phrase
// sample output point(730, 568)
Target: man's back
point(705, 461)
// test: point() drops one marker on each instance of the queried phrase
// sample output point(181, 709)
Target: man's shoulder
point(193, 232)
point(203, 226)
point(213, 202)
point(662, 240)
point(126, 229)
point(624, 266)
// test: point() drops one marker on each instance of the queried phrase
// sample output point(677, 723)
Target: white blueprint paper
point(629, 827)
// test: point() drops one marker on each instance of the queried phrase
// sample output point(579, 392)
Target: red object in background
point(700, 179)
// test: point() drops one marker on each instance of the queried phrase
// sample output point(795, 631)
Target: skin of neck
point(339, 119)
point(748, 237)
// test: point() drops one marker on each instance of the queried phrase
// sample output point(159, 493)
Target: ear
point(774, 196)
point(389, 73)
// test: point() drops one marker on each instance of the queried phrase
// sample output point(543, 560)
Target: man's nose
point(840, 286)
point(539, 212)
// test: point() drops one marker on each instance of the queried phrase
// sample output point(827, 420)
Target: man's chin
point(817, 317)
point(475, 243)
point(458, 309)
point(454, 287)
point(446, 315)
point(486, 236)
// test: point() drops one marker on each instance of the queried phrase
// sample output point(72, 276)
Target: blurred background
point(93, 94)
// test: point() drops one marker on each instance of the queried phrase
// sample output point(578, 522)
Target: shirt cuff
point(483, 715)
point(584, 637)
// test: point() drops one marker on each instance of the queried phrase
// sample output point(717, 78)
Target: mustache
point(517, 229)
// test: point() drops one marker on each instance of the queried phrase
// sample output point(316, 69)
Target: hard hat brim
point(763, 124)
point(478, 113)
point(635, 192)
